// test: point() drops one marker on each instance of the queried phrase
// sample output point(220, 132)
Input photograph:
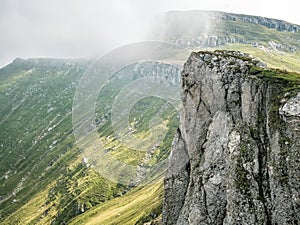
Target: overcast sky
point(80, 28)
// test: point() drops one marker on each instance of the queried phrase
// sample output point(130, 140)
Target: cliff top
point(246, 64)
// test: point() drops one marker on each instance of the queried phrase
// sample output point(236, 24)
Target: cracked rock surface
point(235, 158)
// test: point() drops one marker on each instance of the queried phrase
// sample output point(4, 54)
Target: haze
point(81, 28)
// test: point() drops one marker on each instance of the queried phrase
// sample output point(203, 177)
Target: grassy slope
point(126, 210)
point(287, 60)
point(41, 173)
point(52, 182)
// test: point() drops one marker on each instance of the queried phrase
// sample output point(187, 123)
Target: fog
point(82, 28)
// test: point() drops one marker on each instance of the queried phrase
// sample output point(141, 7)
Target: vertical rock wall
point(235, 157)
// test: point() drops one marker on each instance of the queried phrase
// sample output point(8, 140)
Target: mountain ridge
point(269, 22)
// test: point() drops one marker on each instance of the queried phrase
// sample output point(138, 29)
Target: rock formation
point(235, 158)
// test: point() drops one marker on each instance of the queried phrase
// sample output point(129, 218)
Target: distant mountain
point(45, 179)
point(213, 28)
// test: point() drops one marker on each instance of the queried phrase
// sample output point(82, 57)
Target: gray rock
point(292, 107)
point(235, 158)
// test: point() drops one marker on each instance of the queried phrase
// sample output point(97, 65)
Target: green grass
point(38, 147)
point(289, 80)
point(125, 210)
point(42, 175)
point(287, 61)
point(276, 74)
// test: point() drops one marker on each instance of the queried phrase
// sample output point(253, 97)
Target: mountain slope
point(37, 145)
point(44, 177)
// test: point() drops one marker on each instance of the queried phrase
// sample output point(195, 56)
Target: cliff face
point(235, 157)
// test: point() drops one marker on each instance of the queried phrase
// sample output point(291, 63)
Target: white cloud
point(77, 28)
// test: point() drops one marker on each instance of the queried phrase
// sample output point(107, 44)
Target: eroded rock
point(236, 156)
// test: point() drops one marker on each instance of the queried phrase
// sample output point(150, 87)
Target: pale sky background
point(80, 28)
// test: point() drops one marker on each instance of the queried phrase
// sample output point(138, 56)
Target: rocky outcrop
point(163, 73)
point(235, 157)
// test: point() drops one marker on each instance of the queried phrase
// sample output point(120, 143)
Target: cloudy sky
point(80, 28)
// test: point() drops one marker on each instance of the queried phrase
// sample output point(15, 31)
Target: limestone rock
point(236, 156)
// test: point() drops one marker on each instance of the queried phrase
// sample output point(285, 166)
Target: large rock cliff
point(235, 157)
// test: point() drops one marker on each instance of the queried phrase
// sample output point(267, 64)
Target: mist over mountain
point(77, 28)
point(50, 176)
